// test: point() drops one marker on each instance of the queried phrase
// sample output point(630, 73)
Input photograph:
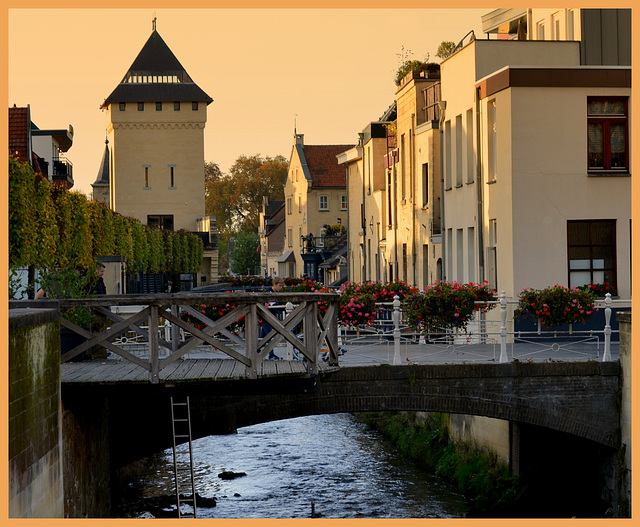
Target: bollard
point(396, 330)
point(289, 308)
point(503, 327)
point(607, 328)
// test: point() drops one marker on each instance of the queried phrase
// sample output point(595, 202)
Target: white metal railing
point(491, 332)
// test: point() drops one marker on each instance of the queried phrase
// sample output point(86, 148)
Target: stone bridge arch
point(577, 398)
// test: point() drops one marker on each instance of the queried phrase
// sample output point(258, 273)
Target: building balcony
point(62, 172)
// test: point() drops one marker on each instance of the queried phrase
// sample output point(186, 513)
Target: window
point(470, 157)
point(460, 255)
point(299, 203)
point(122, 106)
point(447, 155)
point(146, 176)
point(158, 106)
point(289, 237)
point(458, 150)
point(172, 175)
point(403, 168)
point(492, 254)
point(555, 26)
point(425, 185)
point(570, 25)
point(289, 205)
point(492, 134)
point(540, 30)
point(471, 254)
point(176, 106)
point(343, 202)
point(194, 106)
point(607, 126)
point(592, 252)
point(141, 107)
point(161, 221)
point(323, 203)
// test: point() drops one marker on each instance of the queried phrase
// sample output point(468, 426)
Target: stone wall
point(483, 433)
point(35, 419)
point(624, 479)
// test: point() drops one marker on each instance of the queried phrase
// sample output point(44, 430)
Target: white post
point(289, 308)
point(396, 329)
point(339, 334)
point(175, 330)
point(503, 327)
point(607, 328)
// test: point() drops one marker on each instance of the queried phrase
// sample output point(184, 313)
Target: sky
point(326, 72)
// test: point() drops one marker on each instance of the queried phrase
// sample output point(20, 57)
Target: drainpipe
point(443, 235)
point(480, 212)
point(412, 159)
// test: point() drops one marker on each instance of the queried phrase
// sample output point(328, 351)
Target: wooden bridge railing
point(247, 347)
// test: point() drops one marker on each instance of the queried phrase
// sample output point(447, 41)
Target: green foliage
point(50, 227)
point(102, 229)
point(479, 475)
point(71, 283)
point(445, 49)
point(245, 256)
point(235, 199)
point(447, 305)
point(414, 65)
point(556, 306)
point(155, 243)
point(22, 214)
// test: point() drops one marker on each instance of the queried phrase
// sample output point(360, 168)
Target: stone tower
point(101, 184)
point(155, 122)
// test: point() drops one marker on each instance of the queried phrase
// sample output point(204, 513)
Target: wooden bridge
point(308, 325)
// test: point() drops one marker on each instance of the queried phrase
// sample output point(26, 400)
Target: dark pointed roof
point(103, 171)
point(156, 75)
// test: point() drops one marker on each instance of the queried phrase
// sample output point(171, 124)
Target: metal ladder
point(181, 426)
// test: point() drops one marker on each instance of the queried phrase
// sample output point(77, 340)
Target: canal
point(331, 465)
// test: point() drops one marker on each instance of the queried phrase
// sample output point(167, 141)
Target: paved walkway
point(363, 353)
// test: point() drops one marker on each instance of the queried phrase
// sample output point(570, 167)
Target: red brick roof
point(323, 165)
point(19, 133)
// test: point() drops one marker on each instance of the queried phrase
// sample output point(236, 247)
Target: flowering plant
point(447, 305)
point(600, 289)
point(557, 305)
point(357, 310)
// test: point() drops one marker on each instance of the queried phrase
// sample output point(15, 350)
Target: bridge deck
point(110, 371)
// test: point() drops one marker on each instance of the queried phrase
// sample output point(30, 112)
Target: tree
point(235, 199)
point(445, 49)
point(245, 257)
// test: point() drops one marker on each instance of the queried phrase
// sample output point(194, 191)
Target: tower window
point(123, 106)
point(158, 106)
point(194, 106)
point(176, 106)
point(172, 176)
point(146, 176)
point(141, 107)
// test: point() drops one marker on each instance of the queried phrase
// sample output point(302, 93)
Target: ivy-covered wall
point(52, 227)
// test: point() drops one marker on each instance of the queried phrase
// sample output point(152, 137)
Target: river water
point(334, 462)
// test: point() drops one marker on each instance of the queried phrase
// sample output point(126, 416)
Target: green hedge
point(53, 227)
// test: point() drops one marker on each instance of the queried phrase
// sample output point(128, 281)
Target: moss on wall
point(479, 475)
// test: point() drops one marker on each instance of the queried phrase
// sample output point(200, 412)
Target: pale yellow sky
point(332, 68)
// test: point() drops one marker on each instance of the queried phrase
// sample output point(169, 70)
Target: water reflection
point(331, 461)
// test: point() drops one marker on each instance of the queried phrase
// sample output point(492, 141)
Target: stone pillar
point(36, 487)
point(623, 467)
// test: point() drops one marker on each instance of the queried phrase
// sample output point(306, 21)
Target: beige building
point(315, 197)
point(155, 129)
point(545, 198)
point(271, 231)
point(393, 181)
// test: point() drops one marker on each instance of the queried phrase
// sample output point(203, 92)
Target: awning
point(286, 257)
